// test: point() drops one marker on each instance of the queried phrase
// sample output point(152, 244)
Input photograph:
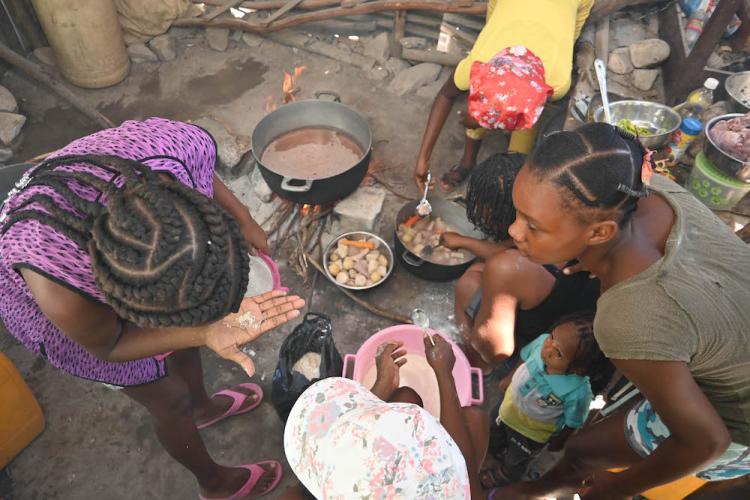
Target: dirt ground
point(99, 444)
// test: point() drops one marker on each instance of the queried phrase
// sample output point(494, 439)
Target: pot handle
point(348, 371)
point(286, 185)
point(476, 372)
point(336, 97)
point(411, 259)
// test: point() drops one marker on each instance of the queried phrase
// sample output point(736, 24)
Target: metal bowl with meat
point(358, 260)
point(728, 145)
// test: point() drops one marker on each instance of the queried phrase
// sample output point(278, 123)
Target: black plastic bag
point(314, 334)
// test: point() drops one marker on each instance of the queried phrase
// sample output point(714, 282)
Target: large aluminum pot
point(313, 113)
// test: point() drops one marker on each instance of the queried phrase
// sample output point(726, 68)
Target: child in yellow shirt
point(547, 28)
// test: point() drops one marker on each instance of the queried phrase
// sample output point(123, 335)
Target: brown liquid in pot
point(311, 153)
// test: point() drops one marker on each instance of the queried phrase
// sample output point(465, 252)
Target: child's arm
point(441, 108)
point(506, 380)
point(481, 248)
point(254, 235)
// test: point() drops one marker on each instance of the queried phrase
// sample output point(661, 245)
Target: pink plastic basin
point(356, 366)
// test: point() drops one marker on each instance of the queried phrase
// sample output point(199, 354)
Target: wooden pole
point(399, 28)
point(275, 4)
point(366, 8)
point(49, 80)
point(601, 8)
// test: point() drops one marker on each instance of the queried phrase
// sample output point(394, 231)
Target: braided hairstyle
point(161, 253)
point(599, 167)
point(489, 204)
point(589, 360)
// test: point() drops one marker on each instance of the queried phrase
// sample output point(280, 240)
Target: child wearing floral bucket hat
point(547, 30)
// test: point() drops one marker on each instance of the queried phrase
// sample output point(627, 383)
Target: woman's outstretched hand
point(257, 315)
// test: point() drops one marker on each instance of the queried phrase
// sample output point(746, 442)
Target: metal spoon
point(420, 319)
point(601, 75)
point(423, 207)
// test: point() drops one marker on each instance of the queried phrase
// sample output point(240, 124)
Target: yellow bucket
point(21, 418)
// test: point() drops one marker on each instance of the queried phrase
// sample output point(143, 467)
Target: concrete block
point(417, 76)
point(414, 42)
point(259, 186)
point(252, 39)
point(625, 30)
point(619, 61)
point(163, 47)
point(361, 209)
point(228, 151)
point(395, 65)
point(644, 78)
point(430, 90)
point(244, 189)
point(649, 53)
point(378, 47)
point(10, 126)
point(217, 38)
point(7, 101)
point(139, 53)
point(379, 74)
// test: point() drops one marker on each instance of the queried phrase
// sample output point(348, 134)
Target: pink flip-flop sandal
point(256, 472)
point(239, 399)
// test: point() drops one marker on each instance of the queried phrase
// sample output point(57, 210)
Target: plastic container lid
point(691, 126)
point(711, 83)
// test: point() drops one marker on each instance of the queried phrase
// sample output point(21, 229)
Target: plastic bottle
point(689, 130)
point(698, 100)
point(694, 27)
point(690, 6)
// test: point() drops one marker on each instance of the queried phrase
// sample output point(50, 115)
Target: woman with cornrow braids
point(120, 256)
point(506, 301)
point(672, 316)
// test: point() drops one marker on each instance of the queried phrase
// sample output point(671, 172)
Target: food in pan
point(357, 262)
point(423, 237)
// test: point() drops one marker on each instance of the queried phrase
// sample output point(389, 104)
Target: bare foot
point(218, 405)
point(234, 478)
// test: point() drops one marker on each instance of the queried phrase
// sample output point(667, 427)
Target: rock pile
point(11, 123)
point(635, 60)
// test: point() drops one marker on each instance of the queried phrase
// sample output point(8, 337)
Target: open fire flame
point(309, 209)
point(288, 87)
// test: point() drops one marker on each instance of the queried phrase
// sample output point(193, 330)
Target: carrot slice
point(412, 220)
point(359, 244)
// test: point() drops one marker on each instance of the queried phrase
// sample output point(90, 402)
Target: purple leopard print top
point(186, 151)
